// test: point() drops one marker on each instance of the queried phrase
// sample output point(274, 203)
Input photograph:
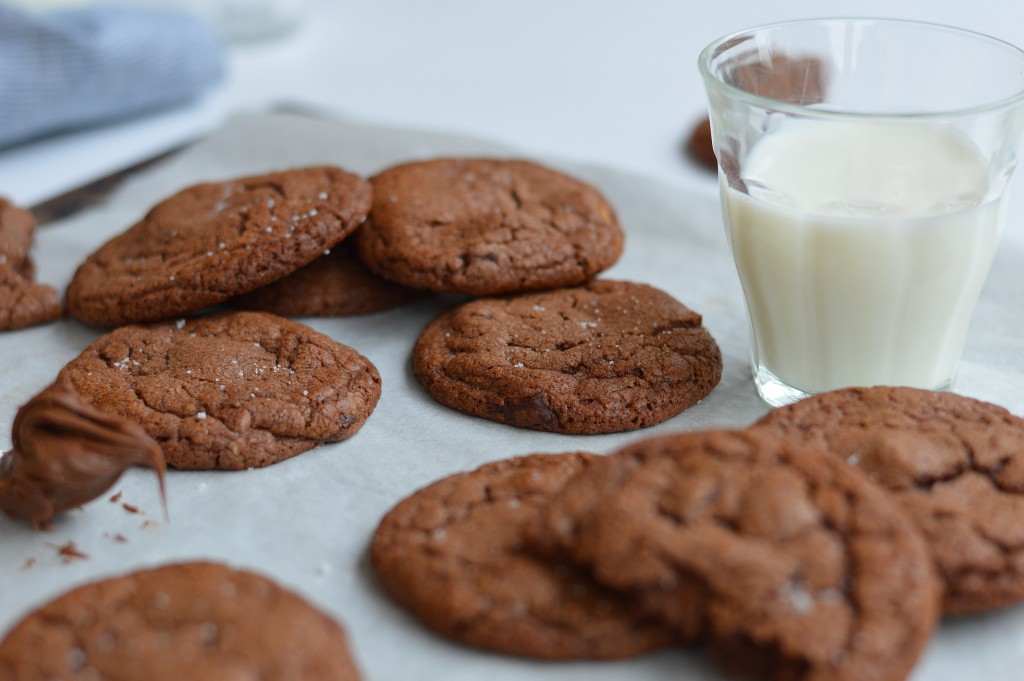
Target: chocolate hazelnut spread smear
point(66, 453)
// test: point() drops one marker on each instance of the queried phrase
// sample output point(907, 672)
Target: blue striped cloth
point(75, 67)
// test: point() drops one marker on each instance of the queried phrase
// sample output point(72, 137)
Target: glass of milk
point(863, 165)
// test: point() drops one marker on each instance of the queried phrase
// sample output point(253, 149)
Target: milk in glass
point(862, 249)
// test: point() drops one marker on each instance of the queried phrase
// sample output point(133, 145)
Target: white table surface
point(588, 80)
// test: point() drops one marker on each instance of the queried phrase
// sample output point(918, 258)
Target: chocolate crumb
point(69, 552)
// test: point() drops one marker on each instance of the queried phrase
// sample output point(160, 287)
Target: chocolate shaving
point(66, 453)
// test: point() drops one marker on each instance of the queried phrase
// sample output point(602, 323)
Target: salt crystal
point(201, 415)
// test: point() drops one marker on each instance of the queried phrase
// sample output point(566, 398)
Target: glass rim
point(712, 80)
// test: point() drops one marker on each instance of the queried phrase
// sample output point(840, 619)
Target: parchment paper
point(306, 522)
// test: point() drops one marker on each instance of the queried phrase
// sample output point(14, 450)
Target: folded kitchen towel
point(76, 67)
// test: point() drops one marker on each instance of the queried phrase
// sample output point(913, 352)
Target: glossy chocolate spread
point(66, 453)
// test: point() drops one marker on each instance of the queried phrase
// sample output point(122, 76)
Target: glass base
point(778, 394)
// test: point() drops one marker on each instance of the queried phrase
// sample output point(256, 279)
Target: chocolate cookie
point(230, 391)
point(197, 621)
point(66, 453)
point(786, 562)
point(452, 553)
point(954, 464)
point(22, 301)
point(605, 357)
point(215, 241)
point(487, 227)
point(334, 285)
point(699, 146)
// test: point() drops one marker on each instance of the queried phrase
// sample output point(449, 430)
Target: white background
point(603, 81)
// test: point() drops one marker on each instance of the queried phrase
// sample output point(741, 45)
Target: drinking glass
point(863, 166)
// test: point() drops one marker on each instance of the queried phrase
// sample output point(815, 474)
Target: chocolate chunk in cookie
point(955, 466)
point(605, 357)
point(452, 553)
point(211, 242)
point(22, 301)
point(786, 562)
point(66, 453)
point(197, 621)
point(333, 285)
point(487, 227)
point(229, 391)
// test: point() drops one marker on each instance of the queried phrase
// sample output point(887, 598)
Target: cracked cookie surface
point(211, 242)
point(604, 357)
point(22, 301)
point(487, 227)
point(333, 285)
point(229, 391)
point(199, 621)
point(955, 465)
point(452, 553)
point(788, 564)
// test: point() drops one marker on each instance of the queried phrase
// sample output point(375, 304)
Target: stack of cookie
point(822, 543)
point(228, 391)
point(22, 301)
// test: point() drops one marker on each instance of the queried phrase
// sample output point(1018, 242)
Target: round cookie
point(334, 285)
point(788, 564)
point(229, 391)
point(604, 357)
point(197, 621)
point(214, 241)
point(955, 465)
point(452, 553)
point(487, 227)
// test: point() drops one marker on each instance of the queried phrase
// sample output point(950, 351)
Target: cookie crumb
point(28, 564)
point(116, 498)
point(69, 552)
point(131, 508)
